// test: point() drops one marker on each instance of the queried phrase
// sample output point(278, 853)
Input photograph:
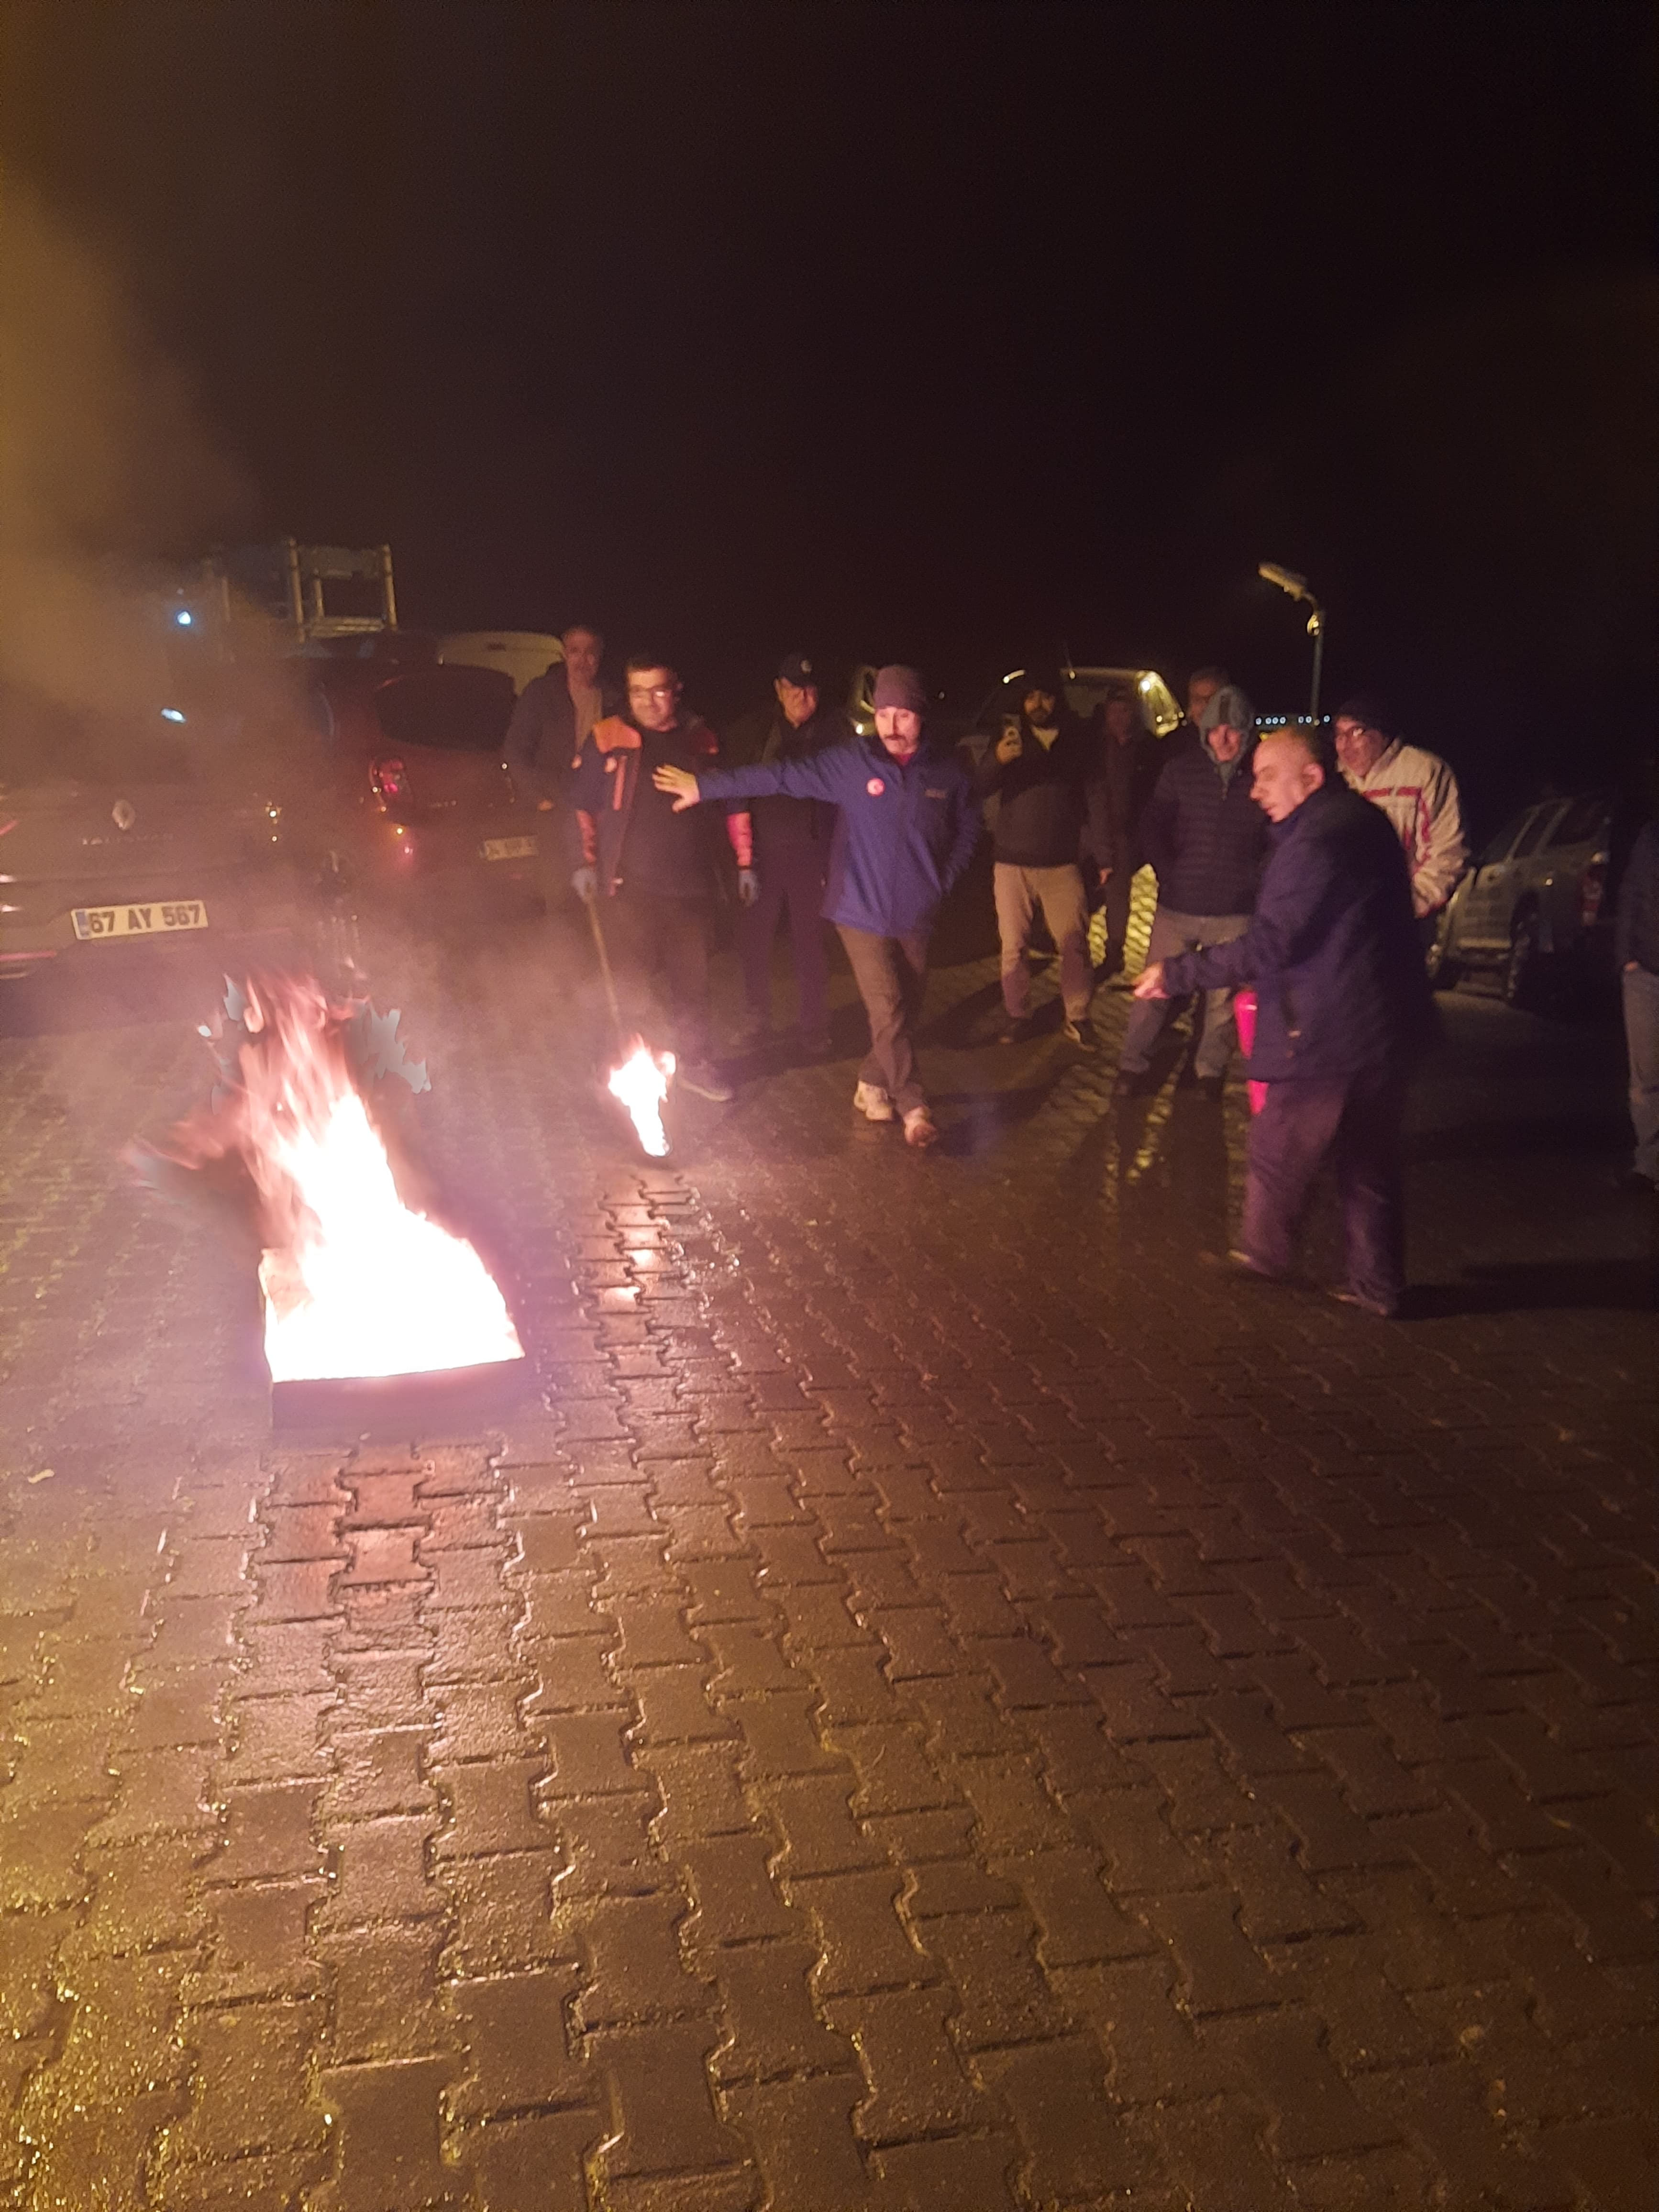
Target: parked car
point(411, 787)
point(1085, 695)
point(1534, 909)
point(132, 838)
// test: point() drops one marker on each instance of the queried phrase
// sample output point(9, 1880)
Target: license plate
point(509, 849)
point(154, 920)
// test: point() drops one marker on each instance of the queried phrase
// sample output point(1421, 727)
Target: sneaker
point(705, 1081)
point(1083, 1039)
point(920, 1128)
point(1131, 1083)
point(1210, 1088)
point(874, 1103)
point(1378, 1308)
point(1240, 1267)
point(1016, 1028)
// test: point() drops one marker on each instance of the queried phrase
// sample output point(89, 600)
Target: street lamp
point(1297, 587)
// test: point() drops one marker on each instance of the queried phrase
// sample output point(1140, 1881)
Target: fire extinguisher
point(1245, 1015)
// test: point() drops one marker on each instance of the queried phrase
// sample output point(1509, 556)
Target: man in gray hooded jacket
point(1206, 842)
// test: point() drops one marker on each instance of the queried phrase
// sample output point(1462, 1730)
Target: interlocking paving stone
point(942, 1703)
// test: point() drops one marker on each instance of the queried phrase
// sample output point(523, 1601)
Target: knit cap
point(898, 686)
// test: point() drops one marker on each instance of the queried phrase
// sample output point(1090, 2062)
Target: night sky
point(954, 334)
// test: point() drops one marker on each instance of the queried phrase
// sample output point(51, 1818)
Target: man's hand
point(680, 784)
point(747, 885)
point(1009, 747)
point(1149, 983)
point(585, 885)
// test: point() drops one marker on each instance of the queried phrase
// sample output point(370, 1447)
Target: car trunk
point(440, 766)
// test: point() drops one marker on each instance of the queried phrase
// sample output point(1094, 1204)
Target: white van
point(521, 654)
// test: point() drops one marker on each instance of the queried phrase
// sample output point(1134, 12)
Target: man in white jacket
point(1418, 792)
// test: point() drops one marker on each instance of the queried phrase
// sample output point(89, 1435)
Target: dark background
point(956, 334)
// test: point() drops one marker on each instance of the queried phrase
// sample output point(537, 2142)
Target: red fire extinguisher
point(1245, 1015)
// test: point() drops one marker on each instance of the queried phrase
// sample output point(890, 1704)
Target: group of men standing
point(1310, 870)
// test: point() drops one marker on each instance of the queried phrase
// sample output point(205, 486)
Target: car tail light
point(1592, 889)
point(390, 777)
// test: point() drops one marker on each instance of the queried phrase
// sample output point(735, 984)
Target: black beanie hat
point(1367, 706)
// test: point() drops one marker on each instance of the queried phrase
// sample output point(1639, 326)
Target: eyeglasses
point(658, 691)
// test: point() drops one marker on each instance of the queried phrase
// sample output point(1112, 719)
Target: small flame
point(641, 1084)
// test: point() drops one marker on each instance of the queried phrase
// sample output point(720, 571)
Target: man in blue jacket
point(906, 830)
point(1343, 1009)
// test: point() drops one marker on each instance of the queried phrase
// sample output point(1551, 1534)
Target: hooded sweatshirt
point(1049, 796)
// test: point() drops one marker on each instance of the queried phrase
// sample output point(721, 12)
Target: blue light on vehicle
point(183, 618)
point(171, 714)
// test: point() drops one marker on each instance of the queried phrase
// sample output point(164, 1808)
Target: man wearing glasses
point(655, 871)
point(1418, 792)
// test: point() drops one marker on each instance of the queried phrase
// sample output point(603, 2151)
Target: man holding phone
point(1044, 773)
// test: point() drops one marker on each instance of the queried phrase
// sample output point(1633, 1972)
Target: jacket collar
point(617, 733)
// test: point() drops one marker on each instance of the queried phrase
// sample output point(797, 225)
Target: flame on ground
point(355, 1283)
point(641, 1084)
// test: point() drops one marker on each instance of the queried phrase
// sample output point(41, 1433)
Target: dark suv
point(1534, 908)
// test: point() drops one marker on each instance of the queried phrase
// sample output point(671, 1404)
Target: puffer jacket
point(1331, 949)
point(1205, 835)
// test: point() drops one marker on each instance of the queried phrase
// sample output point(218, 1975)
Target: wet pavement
point(936, 1699)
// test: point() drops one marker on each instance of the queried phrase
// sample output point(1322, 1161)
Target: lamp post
point(1297, 587)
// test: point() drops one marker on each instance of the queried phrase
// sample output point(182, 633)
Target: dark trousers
point(791, 877)
point(647, 937)
point(891, 973)
point(1354, 1122)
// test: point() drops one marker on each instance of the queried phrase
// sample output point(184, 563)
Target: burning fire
point(641, 1084)
point(355, 1283)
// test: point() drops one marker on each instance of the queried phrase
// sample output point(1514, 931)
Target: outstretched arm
point(816, 775)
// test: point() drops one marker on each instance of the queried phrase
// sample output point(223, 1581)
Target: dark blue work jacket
point(1331, 948)
point(903, 835)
